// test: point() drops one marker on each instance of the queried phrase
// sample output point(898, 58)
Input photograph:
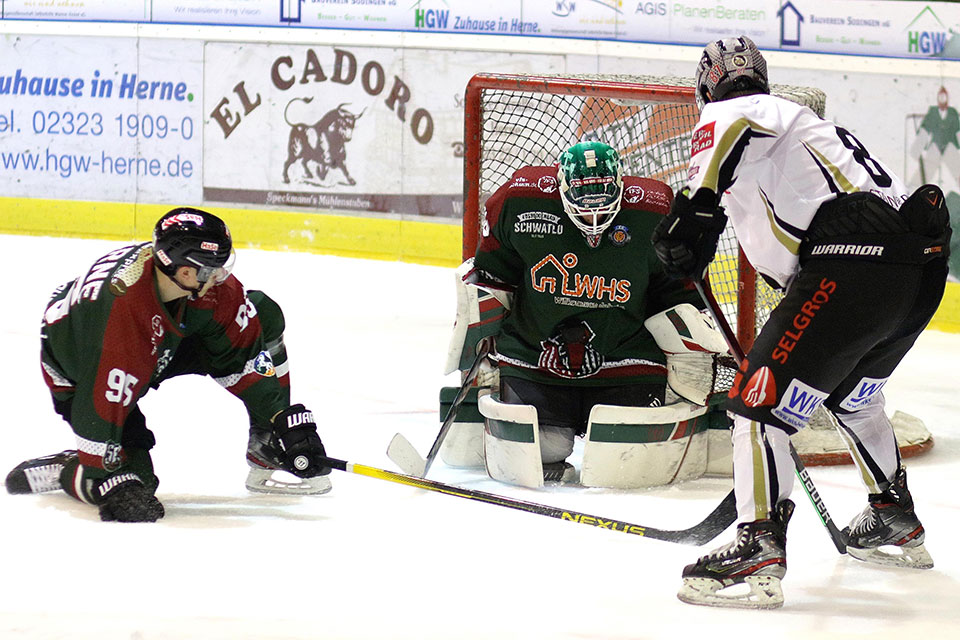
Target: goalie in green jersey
point(567, 286)
point(146, 313)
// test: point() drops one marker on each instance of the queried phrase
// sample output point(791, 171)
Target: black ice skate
point(559, 472)
point(267, 473)
point(888, 531)
point(757, 558)
point(39, 475)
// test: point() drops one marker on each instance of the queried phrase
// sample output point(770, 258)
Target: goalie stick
point(837, 536)
point(405, 456)
point(709, 528)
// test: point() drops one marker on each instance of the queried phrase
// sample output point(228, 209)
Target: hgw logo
point(430, 18)
point(926, 34)
point(324, 142)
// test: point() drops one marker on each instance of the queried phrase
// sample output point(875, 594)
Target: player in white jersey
point(864, 266)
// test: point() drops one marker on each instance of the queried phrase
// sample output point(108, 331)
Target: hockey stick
point(837, 536)
point(405, 456)
point(708, 529)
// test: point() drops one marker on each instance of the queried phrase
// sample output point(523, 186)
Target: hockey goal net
point(513, 121)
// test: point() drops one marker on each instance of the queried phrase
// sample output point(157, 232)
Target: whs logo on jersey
point(761, 389)
point(798, 404)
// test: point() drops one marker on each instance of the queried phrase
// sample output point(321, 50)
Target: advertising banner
point(351, 128)
point(113, 119)
point(104, 10)
point(222, 12)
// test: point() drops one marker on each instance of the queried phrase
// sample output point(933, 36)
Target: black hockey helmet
point(730, 66)
point(190, 237)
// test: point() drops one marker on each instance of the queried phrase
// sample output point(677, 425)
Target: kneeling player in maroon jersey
point(146, 313)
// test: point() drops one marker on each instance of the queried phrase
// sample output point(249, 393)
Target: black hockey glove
point(123, 498)
point(302, 448)
point(686, 239)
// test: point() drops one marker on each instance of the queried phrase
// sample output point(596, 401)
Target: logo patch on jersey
point(538, 223)
point(798, 403)
point(633, 194)
point(693, 171)
point(547, 184)
point(263, 364)
point(761, 389)
point(863, 394)
point(619, 235)
point(112, 456)
point(702, 139)
point(569, 353)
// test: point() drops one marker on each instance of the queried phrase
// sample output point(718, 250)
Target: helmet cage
point(591, 186)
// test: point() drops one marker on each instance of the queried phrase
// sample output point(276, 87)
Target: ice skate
point(757, 559)
point(559, 472)
point(888, 531)
point(267, 475)
point(39, 475)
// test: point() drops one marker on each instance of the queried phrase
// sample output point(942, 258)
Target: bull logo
point(324, 143)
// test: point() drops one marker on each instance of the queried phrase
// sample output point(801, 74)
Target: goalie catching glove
point(302, 449)
point(686, 239)
point(692, 346)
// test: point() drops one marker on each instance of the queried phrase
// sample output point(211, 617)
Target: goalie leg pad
point(511, 442)
point(463, 444)
point(635, 447)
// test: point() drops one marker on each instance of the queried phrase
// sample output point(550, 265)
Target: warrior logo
point(324, 143)
point(761, 390)
point(570, 354)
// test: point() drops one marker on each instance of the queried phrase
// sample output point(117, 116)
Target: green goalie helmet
point(591, 186)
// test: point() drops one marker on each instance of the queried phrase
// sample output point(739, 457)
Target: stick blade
point(405, 456)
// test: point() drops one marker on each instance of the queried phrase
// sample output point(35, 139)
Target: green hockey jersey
point(578, 312)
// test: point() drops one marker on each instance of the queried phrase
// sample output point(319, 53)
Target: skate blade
point(764, 593)
point(908, 557)
point(263, 481)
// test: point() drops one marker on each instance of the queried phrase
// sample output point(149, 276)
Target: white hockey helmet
point(728, 66)
point(591, 187)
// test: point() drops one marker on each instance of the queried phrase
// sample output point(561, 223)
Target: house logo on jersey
point(569, 353)
point(633, 194)
point(702, 139)
point(263, 364)
point(619, 235)
point(554, 277)
point(761, 389)
point(863, 394)
point(798, 404)
point(538, 223)
point(322, 145)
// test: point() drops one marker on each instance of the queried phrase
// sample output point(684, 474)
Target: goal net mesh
point(514, 121)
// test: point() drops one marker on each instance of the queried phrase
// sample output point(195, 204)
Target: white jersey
point(774, 162)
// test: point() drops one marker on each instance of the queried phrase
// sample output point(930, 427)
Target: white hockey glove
point(692, 345)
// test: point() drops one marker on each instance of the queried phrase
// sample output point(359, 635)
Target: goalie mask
point(591, 187)
point(730, 66)
point(193, 238)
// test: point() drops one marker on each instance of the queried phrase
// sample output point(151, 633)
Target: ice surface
point(373, 559)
